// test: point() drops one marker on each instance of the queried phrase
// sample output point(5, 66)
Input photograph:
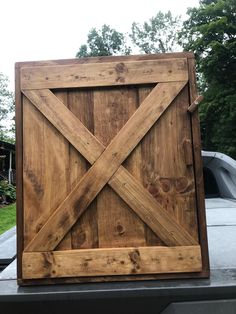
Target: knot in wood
point(48, 259)
point(121, 68)
point(120, 229)
point(135, 257)
point(165, 184)
point(181, 184)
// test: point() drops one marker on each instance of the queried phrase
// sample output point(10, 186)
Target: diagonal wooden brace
point(99, 174)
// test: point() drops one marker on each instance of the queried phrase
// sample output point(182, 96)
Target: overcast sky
point(54, 29)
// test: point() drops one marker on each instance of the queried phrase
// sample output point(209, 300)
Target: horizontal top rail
point(104, 74)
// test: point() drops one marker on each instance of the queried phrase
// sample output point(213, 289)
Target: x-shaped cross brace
point(106, 168)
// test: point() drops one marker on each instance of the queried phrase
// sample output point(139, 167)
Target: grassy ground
point(7, 217)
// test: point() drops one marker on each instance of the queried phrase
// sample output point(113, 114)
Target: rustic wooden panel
point(114, 261)
point(109, 171)
point(105, 74)
point(148, 204)
point(96, 177)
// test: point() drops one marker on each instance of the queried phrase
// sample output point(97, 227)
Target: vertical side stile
point(19, 171)
point(196, 139)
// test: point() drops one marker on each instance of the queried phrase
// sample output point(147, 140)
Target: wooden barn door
point(110, 179)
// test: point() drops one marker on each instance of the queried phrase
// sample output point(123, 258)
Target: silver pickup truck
point(214, 295)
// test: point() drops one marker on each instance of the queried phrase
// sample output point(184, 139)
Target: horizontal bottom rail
point(111, 261)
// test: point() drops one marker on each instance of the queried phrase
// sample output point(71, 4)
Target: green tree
point(6, 110)
point(210, 32)
point(159, 34)
point(104, 42)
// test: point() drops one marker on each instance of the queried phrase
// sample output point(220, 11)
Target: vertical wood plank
point(117, 226)
point(84, 232)
point(165, 173)
point(45, 160)
point(33, 167)
point(185, 193)
point(65, 244)
point(149, 159)
point(199, 182)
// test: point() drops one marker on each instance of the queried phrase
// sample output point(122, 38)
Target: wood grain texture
point(166, 175)
point(103, 59)
point(105, 74)
point(44, 170)
point(106, 165)
point(118, 227)
point(147, 195)
point(66, 122)
point(188, 152)
point(33, 122)
point(62, 172)
point(149, 158)
point(120, 278)
point(114, 261)
point(151, 212)
point(85, 230)
point(122, 190)
point(195, 104)
point(198, 169)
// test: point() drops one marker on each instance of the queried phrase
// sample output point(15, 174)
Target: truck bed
point(138, 297)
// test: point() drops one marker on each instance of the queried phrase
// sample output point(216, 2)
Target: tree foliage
point(6, 109)
point(159, 34)
point(210, 32)
point(104, 42)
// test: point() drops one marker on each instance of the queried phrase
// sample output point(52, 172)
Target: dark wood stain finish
point(199, 182)
point(159, 157)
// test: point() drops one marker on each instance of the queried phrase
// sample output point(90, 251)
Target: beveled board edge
point(198, 170)
point(19, 170)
